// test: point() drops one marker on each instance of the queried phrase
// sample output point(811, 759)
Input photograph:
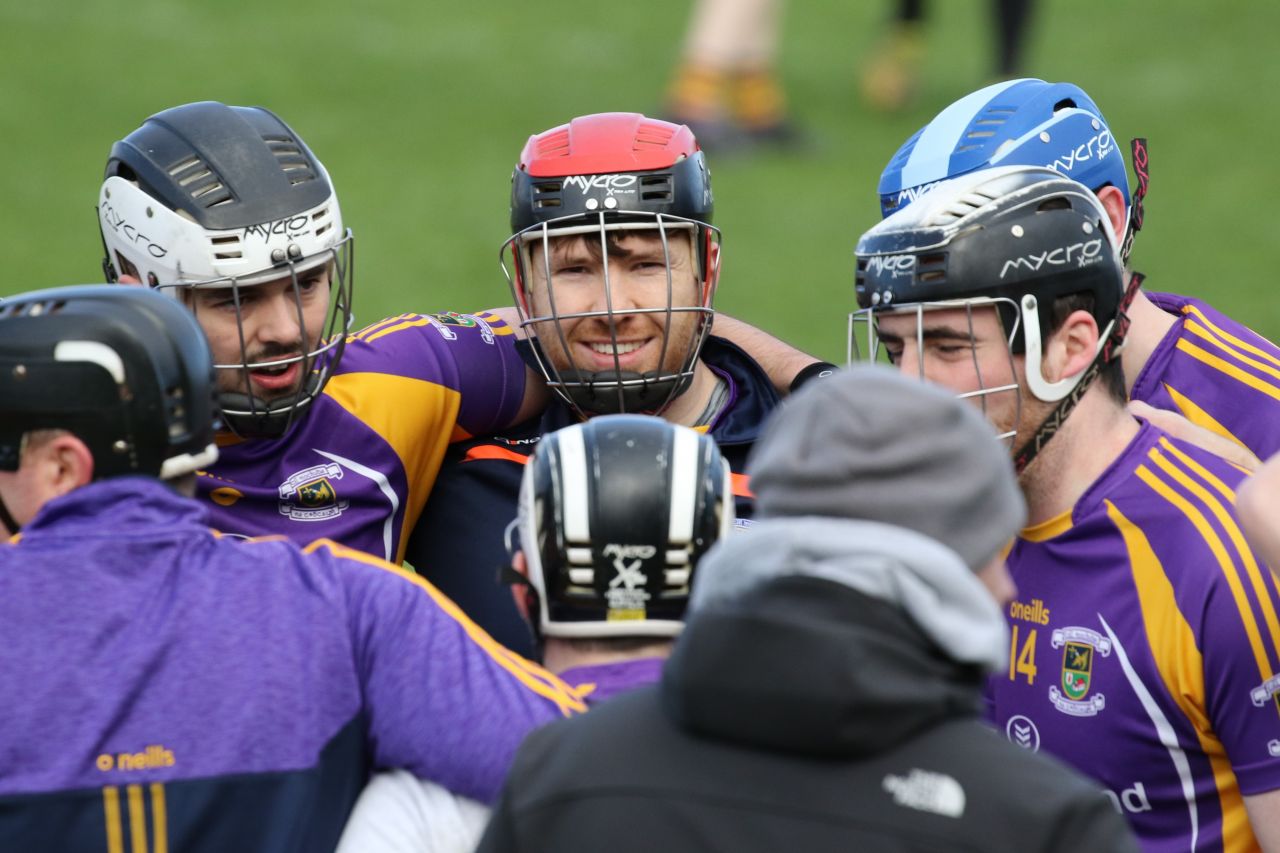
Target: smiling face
point(572, 282)
point(279, 327)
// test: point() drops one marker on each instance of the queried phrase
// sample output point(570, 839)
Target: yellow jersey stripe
point(1199, 470)
point(497, 325)
point(1177, 658)
point(399, 327)
point(1200, 332)
point(1229, 369)
point(1199, 416)
point(159, 819)
point(137, 819)
point(379, 401)
point(111, 811)
point(1229, 524)
point(1224, 560)
point(1172, 642)
point(1230, 338)
point(534, 677)
point(373, 327)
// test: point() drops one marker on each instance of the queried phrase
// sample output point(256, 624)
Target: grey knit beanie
point(871, 444)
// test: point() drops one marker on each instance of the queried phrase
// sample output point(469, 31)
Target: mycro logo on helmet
point(610, 183)
point(1097, 148)
point(1081, 254)
point(117, 223)
point(290, 228)
point(629, 601)
point(910, 194)
point(892, 266)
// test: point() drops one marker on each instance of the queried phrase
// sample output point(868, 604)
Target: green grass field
point(418, 109)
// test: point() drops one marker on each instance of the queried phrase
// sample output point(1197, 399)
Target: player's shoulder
point(382, 344)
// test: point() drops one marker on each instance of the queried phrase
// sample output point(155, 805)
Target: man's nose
point(279, 319)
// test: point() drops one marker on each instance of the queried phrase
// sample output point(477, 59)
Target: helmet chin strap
point(1113, 343)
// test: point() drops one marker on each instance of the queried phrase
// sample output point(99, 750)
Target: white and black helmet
point(206, 195)
point(615, 514)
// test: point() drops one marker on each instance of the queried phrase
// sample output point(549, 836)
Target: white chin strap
point(1049, 392)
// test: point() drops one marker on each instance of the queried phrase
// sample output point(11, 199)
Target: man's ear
point(1113, 203)
point(66, 464)
point(1071, 349)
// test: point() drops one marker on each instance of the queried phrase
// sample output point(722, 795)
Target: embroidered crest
point(1079, 647)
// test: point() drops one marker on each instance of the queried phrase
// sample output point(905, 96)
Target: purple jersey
point(357, 466)
point(1145, 647)
point(598, 682)
point(173, 687)
point(1217, 373)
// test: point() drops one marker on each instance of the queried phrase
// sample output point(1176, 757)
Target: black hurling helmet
point(615, 514)
point(124, 369)
point(209, 196)
point(601, 177)
point(1015, 238)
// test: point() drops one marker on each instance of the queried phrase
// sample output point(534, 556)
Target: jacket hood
point(831, 638)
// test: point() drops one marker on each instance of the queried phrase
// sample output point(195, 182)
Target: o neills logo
point(1033, 612)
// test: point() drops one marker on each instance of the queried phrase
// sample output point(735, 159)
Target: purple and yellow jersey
point(597, 683)
point(358, 464)
point(1217, 373)
point(172, 689)
point(1145, 647)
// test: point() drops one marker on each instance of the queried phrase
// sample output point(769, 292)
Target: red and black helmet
point(603, 173)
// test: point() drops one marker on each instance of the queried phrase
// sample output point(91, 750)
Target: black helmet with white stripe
point(614, 515)
point(124, 369)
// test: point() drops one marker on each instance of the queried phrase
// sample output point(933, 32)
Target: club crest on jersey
point(309, 495)
point(626, 594)
point(1267, 691)
point(452, 318)
point(1079, 648)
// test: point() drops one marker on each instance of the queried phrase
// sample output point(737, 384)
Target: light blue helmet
point(1015, 123)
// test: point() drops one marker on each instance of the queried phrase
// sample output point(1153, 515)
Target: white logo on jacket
point(927, 791)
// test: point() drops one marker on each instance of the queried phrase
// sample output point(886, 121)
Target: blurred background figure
point(891, 76)
point(726, 86)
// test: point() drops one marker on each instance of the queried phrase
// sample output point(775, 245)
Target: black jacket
point(804, 716)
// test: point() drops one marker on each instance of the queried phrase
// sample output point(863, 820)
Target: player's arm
point(536, 394)
point(444, 700)
point(783, 363)
point(1258, 504)
point(1264, 818)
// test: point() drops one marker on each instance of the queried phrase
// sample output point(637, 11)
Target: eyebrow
point(931, 333)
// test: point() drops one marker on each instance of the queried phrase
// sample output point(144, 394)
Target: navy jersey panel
point(458, 543)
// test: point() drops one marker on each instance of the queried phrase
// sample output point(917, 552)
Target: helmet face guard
point(526, 259)
point(604, 180)
point(208, 197)
point(866, 344)
point(615, 514)
point(245, 413)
